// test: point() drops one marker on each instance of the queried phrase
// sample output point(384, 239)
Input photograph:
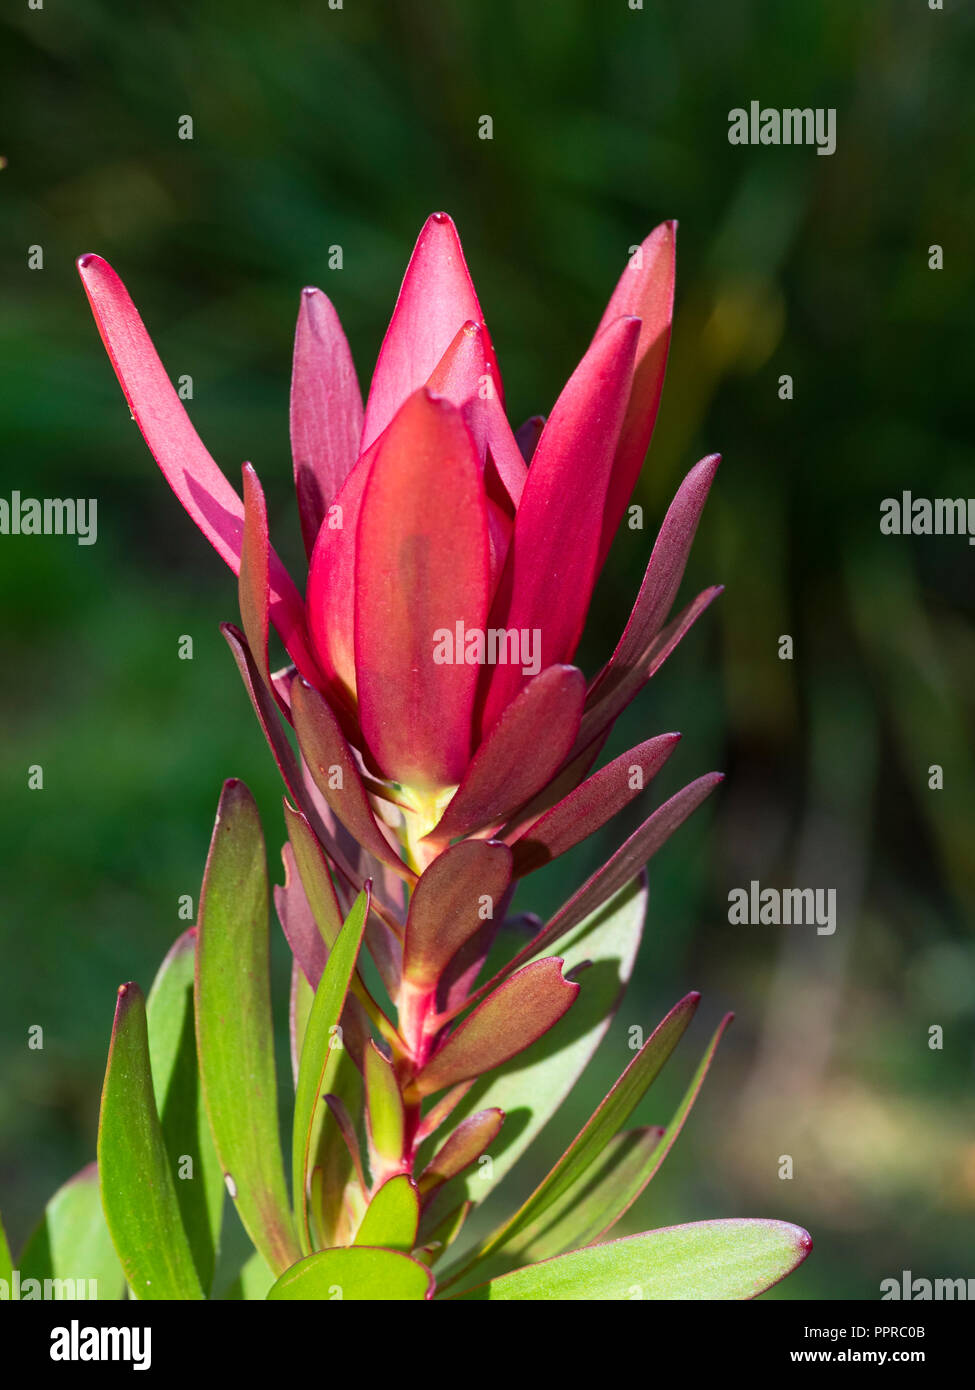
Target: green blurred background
point(315, 127)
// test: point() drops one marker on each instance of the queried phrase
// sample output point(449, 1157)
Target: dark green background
point(315, 127)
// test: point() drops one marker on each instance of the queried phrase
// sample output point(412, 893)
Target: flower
point(452, 561)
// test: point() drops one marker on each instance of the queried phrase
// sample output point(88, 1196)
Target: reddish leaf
point(551, 566)
point(435, 300)
point(187, 466)
point(607, 700)
point(646, 289)
point(298, 921)
point(330, 601)
point(326, 410)
point(464, 1147)
point(421, 569)
point(448, 905)
point(664, 571)
point(465, 376)
point(336, 775)
point(528, 436)
point(618, 870)
point(509, 1020)
point(591, 805)
point(523, 751)
point(252, 580)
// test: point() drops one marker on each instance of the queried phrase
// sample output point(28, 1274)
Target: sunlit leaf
point(392, 1217)
point(137, 1184)
point(252, 1282)
point(179, 1100)
point(385, 1118)
point(731, 1259)
point(235, 1037)
point(356, 1272)
point(606, 1121)
point(72, 1242)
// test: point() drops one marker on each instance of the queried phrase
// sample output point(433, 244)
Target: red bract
point(445, 575)
point(451, 567)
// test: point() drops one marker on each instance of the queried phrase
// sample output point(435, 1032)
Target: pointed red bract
point(664, 571)
point(187, 466)
point(509, 1020)
point(460, 890)
point(618, 684)
point(326, 410)
point(628, 860)
point(468, 1141)
point(551, 567)
point(523, 751)
point(331, 584)
point(333, 768)
point(421, 570)
point(465, 376)
point(253, 589)
point(298, 921)
point(646, 289)
point(591, 804)
point(435, 300)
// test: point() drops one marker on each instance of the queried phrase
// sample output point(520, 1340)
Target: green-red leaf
point(318, 1049)
point(468, 1141)
point(519, 1012)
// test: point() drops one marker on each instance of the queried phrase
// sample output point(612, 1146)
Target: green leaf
point(392, 1217)
point(252, 1282)
point(356, 1272)
point(670, 1134)
point(234, 1034)
point(532, 1087)
point(586, 1210)
point(385, 1117)
point(733, 1259)
point(137, 1185)
point(607, 1119)
point(179, 1100)
point(611, 1185)
point(318, 1049)
point(338, 1197)
point(72, 1242)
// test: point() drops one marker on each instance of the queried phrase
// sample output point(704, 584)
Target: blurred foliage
point(315, 127)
